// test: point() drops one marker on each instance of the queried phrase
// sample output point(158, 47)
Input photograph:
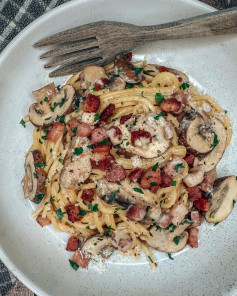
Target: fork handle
point(214, 23)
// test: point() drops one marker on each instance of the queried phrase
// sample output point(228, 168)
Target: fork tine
point(69, 47)
point(77, 33)
point(74, 58)
point(72, 69)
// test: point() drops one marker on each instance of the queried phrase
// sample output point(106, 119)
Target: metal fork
point(98, 43)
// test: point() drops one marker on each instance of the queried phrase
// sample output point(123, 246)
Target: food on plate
point(124, 158)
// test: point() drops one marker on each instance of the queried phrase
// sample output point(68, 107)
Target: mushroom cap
point(163, 240)
point(224, 195)
point(44, 114)
point(96, 244)
point(194, 134)
point(211, 160)
point(34, 180)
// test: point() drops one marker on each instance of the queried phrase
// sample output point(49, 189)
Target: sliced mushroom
point(224, 197)
point(145, 122)
point(43, 114)
point(45, 93)
point(77, 166)
point(123, 239)
point(126, 193)
point(210, 161)
point(99, 244)
point(194, 134)
point(167, 241)
point(153, 70)
point(90, 75)
point(34, 180)
point(195, 176)
point(117, 84)
point(125, 69)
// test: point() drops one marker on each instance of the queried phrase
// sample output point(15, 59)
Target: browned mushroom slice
point(45, 93)
point(45, 112)
point(153, 70)
point(77, 166)
point(91, 75)
point(117, 84)
point(34, 180)
point(99, 244)
point(224, 197)
point(125, 69)
point(167, 241)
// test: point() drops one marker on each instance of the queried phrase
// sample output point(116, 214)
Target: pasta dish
point(124, 158)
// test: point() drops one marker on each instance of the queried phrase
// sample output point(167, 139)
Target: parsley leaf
point(178, 166)
point(59, 187)
point(176, 240)
point(104, 142)
point(74, 265)
point(138, 70)
point(60, 160)
point(174, 183)
point(81, 213)
point(46, 99)
point(138, 190)
point(117, 146)
point(40, 196)
point(158, 227)
point(215, 141)
point(184, 86)
point(134, 122)
point(129, 85)
point(148, 208)
point(78, 151)
point(216, 223)
point(74, 129)
point(96, 117)
point(22, 122)
point(52, 198)
point(59, 214)
point(153, 184)
point(48, 118)
point(40, 164)
point(93, 208)
point(62, 119)
point(155, 167)
point(159, 98)
point(234, 201)
point(169, 255)
point(91, 146)
point(114, 193)
point(150, 259)
point(159, 115)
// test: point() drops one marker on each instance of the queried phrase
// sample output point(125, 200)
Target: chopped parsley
point(88, 227)
point(215, 141)
point(176, 240)
point(159, 115)
point(52, 198)
point(62, 119)
point(178, 166)
point(225, 111)
point(104, 142)
point(81, 213)
point(114, 193)
point(108, 230)
point(40, 141)
point(34, 174)
point(48, 118)
point(159, 98)
point(169, 255)
point(216, 223)
point(130, 85)
point(59, 187)
point(73, 264)
point(134, 122)
point(22, 122)
point(40, 164)
point(184, 86)
point(95, 244)
point(234, 201)
point(148, 208)
point(138, 190)
point(96, 117)
point(90, 146)
point(93, 89)
point(155, 167)
point(138, 70)
point(74, 129)
point(46, 99)
point(51, 150)
point(119, 183)
point(212, 215)
point(153, 184)
point(78, 151)
point(140, 85)
point(186, 222)
point(150, 233)
point(158, 227)
point(60, 160)
point(100, 239)
point(116, 210)
point(117, 146)
point(127, 144)
point(93, 208)
point(173, 228)
point(150, 71)
point(150, 259)
point(40, 196)
point(46, 203)
point(59, 214)
point(173, 183)
point(41, 102)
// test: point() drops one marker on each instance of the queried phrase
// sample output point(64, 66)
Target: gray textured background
point(15, 15)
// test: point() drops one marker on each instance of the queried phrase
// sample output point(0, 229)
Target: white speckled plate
point(37, 256)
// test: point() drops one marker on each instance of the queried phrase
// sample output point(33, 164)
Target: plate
point(37, 256)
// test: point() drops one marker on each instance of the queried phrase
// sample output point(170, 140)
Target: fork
point(98, 43)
